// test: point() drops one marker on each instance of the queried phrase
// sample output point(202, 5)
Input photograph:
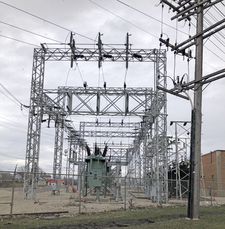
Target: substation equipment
point(146, 158)
point(96, 171)
point(178, 159)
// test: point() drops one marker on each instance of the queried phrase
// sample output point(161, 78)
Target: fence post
point(211, 195)
point(13, 190)
point(80, 180)
point(125, 194)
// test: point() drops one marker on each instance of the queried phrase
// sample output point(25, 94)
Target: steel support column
point(58, 148)
point(34, 126)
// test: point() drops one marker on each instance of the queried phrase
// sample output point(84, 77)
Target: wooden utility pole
point(194, 192)
point(185, 10)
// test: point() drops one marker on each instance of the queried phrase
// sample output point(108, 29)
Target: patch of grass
point(168, 217)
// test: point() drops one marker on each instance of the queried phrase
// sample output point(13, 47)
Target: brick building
point(213, 173)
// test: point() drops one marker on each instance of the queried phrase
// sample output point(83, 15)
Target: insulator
point(104, 85)
point(88, 150)
point(107, 56)
point(71, 38)
point(105, 151)
point(190, 53)
point(71, 62)
point(98, 103)
point(49, 119)
point(126, 103)
point(85, 84)
point(44, 49)
point(137, 55)
point(124, 85)
point(181, 82)
point(78, 56)
point(167, 42)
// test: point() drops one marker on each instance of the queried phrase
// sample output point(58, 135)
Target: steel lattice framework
point(107, 102)
point(106, 54)
point(145, 103)
point(109, 134)
point(118, 151)
point(58, 149)
point(133, 125)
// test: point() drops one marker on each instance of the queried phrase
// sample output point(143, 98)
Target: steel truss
point(154, 147)
point(109, 134)
point(107, 129)
point(118, 151)
point(106, 54)
point(58, 149)
point(133, 125)
point(145, 103)
point(135, 167)
point(160, 161)
point(107, 102)
point(34, 125)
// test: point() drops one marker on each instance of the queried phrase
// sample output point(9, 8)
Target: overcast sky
point(87, 18)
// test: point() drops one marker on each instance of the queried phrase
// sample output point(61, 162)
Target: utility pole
point(185, 9)
point(194, 192)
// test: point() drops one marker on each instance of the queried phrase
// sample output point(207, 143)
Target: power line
point(45, 20)
point(175, 28)
point(12, 96)
point(172, 27)
point(9, 126)
point(10, 156)
point(149, 16)
point(214, 35)
point(14, 39)
point(8, 97)
point(223, 16)
point(214, 45)
point(123, 19)
point(13, 125)
point(28, 31)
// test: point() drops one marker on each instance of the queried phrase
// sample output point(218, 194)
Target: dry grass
point(169, 217)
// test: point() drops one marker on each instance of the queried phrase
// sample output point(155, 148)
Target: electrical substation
point(109, 137)
point(100, 167)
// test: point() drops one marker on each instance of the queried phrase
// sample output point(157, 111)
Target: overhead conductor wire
point(45, 20)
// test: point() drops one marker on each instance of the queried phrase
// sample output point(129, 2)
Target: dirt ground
point(68, 201)
point(65, 201)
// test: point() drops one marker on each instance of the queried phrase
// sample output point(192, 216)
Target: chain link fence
point(73, 195)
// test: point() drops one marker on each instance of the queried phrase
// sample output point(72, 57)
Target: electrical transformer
point(96, 170)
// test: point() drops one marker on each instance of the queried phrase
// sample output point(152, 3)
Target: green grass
point(169, 217)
